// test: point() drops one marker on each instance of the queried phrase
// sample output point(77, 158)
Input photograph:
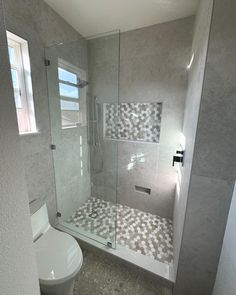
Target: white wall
point(18, 275)
point(226, 275)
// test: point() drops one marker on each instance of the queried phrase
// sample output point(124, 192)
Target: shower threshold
point(162, 270)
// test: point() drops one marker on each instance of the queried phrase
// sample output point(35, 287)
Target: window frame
point(23, 69)
point(80, 74)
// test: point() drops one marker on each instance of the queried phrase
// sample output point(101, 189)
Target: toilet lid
point(59, 257)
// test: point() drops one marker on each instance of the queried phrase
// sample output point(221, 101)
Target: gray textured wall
point(226, 274)
point(36, 22)
point(214, 161)
point(18, 271)
point(153, 64)
point(193, 99)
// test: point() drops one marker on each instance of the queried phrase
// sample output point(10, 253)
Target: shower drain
point(93, 214)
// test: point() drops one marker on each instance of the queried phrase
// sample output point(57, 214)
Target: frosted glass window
point(69, 118)
point(69, 105)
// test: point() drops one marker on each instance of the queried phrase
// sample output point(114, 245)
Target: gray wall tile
point(225, 280)
point(195, 84)
point(213, 170)
point(153, 64)
point(208, 204)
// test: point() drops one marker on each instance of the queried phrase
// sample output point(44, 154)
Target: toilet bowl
point(59, 257)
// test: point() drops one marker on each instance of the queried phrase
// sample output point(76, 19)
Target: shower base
point(139, 231)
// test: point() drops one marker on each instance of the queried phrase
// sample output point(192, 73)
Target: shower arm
point(80, 84)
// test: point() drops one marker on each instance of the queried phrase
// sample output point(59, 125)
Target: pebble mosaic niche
point(133, 121)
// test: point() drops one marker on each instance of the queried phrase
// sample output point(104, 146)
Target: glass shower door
point(82, 78)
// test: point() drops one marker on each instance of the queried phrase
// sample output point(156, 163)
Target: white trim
point(81, 74)
point(130, 141)
point(101, 35)
point(24, 74)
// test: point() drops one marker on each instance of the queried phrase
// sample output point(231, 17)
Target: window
point(22, 84)
point(71, 103)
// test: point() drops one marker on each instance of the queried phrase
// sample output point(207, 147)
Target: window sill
point(78, 125)
point(29, 133)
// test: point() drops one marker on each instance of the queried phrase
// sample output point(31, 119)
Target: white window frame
point(25, 83)
point(81, 74)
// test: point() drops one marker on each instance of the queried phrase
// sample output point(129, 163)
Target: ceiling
point(92, 17)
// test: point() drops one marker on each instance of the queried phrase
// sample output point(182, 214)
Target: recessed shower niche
point(133, 121)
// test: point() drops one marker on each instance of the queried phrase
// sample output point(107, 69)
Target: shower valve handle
point(180, 152)
point(177, 159)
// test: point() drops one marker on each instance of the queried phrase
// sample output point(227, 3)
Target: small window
point(70, 94)
point(21, 82)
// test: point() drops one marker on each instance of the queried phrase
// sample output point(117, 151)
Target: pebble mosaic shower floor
point(139, 231)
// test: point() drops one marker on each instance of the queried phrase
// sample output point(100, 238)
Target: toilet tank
point(40, 222)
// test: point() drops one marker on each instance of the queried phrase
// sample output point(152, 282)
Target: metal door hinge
point(53, 147)
point(109, 244)
point(47, 62)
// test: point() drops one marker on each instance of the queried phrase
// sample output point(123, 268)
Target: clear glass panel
point(16, 88)
point(69, 118)
point(67, 76)
point(85, 162)
point(11, 53)
point(14, 78)
point(68, 91)
point(69, 105)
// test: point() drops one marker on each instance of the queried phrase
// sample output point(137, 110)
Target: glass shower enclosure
point(83, 77)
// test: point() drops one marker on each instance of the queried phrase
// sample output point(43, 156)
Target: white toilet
point(59, 256)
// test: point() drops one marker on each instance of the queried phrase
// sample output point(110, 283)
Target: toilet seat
point(59, 257)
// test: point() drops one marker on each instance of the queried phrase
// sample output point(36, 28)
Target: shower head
point(82, 83)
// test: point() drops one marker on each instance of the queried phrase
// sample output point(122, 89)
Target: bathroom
point(127, 134)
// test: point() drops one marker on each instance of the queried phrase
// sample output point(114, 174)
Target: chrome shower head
point(82, 83)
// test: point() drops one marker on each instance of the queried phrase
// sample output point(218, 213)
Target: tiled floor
point(100, 275)
point(143, 232)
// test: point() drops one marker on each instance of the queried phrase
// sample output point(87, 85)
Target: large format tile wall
point(18, 272)
point(153, 63)
point(225, 279)
point(195, 84)
point(214, 161)
point(36, 22)
point(103, 69)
